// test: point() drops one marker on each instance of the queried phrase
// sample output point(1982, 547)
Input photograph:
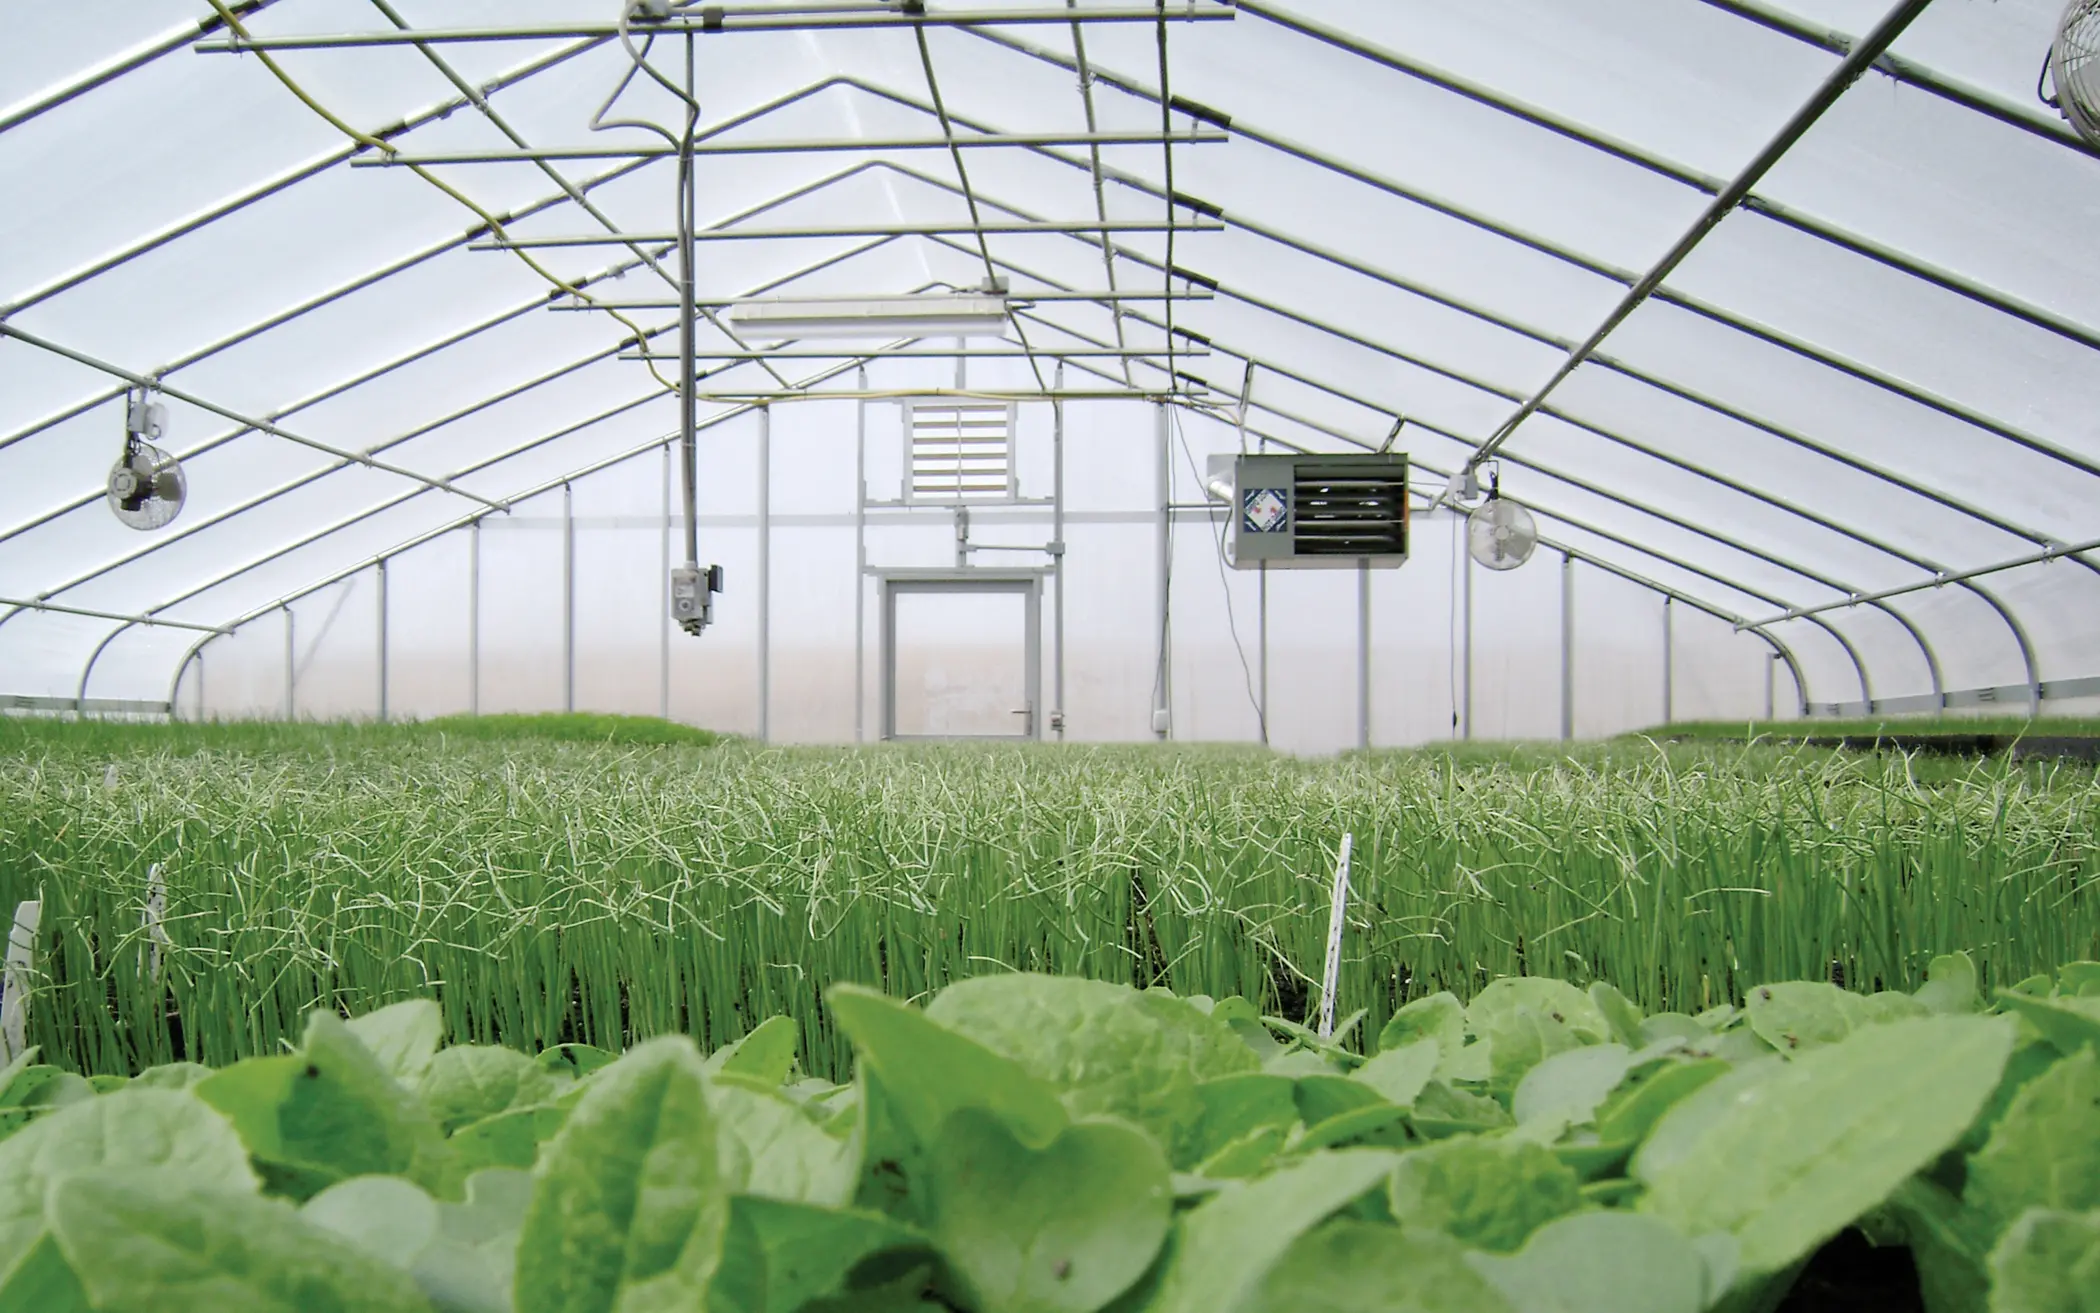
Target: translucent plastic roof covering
point(1870, 381)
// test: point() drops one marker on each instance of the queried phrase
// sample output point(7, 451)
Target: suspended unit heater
point(1308, 511)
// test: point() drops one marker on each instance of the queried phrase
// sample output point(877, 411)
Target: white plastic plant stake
point(150, 918)
point(1335, 914)
point(14, 981)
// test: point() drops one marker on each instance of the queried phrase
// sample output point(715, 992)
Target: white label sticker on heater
point(1266, 510)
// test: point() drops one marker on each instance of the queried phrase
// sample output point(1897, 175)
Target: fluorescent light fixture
point(964, 314)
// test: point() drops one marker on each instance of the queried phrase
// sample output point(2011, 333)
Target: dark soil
point(1848, 1275)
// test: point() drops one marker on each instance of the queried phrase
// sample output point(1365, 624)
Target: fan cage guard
point(2074, 67)
point(166, 488)
point(1504, 553)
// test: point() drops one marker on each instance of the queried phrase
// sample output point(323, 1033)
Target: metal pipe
point(663, 626)
point(1567, 648)
point(1025, 296)
point(1057, 561)
point(979, 394)
point(474, 618)
point(382, 641)
point(1771, 686)
point(38, 604)
point(109, 70)
point(749, 20)
point(860, 565)
point(291, 670)
point(765, 574)
point(1163, 698)
point(811, 146)
point(1855, 63)
point(568, 597)
point(969, 353)
point(1466, 674)
point(1363, 655)
point(2060, 551)
point(1669, 666)
point(1049, 227)
point(87, 669)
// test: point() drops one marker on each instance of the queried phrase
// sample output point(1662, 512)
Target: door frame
point(1027, 583)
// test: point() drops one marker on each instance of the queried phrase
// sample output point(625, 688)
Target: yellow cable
point(495, 226)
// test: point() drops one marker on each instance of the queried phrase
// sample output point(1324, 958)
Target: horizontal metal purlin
point(1052, 228)
point(729, 21)
point(2052, 690)
point(105, 706)
point(26, 604)
point(2060, 552)
point(117, 66)
point(848, 353)
point(1015, 298)
point(811, 145)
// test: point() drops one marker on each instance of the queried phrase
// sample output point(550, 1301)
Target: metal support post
point(1466, 710)
point(568, 598)
point(663, 638)
point(765, 574)
point(1261, 623)
point(382, 641)
point(1669, 663)
point(860, 563)
point(1363, 654)
point(1163, 701)
point(474, 618)
point(291, 669)
point(1771, 686)
point(1057, 560)
point(1567, 648)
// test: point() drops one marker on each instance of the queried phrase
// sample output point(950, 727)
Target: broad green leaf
point(1381, 1123)
point(1520, 1038)
point(2078, 979)
point(2049, 1262)
point(1348, 1266)
point(1602, 1262)
point(1632, 1112)
point(1228, 1244)
point(1399, 1074)
point(1441, 1109)
point(1249, 1155)
point(1324, 1096)
point(171, 1076)
point(1060, 1229)
point(403, 1036)
point(106, 1083)
point(1673, 1025)
point(764, 1056)
point(1797, 1015)
point(152, 1241)
point(1618, 1010)
point(1487, 1193)
point(2045, 1152)
point(1236, 1106)
point(1785, 1162)
point(577, 1060)
point(628, 1211)
point(469, 1082)
point(460, 1255)
point(508, 1139)
point(129, 1129)
point(1571, 1084)
point(929, 1071)
point(803, 1255)
point(328, 1112)
point(1950, 987)
point(38, 1090)
point(1680, 1128)
point(1440, 1017)
point(767, 1145)
point(2028, 1061)
point(42, 1282)
point(1108, 1049)
point(1555, 1000)
point(2070, 1024)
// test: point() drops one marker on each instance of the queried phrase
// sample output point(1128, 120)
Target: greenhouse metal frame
point(1777, 314)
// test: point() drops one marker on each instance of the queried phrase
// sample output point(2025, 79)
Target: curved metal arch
point(1726, 318)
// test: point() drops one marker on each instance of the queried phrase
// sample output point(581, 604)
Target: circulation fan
point(1499, 533)
point(2074, 68)
point(146, 487)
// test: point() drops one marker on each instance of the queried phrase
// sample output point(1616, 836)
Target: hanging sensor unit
point(693, 590)
point(1311, 511)
point(958, 314)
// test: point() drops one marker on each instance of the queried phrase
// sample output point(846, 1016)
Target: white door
point(961, 660)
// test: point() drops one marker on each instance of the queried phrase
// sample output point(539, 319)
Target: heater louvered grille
point(962, 452)
point(1350, 510)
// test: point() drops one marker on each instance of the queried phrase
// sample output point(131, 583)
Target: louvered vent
point(962, 451)
point(1344, 509)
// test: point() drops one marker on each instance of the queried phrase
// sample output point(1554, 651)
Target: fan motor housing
point(1319, 511)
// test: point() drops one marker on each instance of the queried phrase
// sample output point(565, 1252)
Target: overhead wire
point(1232, 624)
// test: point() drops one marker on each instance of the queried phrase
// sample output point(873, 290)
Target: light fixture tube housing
point(883, 317)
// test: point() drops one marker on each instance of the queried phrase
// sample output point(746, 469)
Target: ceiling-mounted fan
point(2073, 69)
point(146, 487)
